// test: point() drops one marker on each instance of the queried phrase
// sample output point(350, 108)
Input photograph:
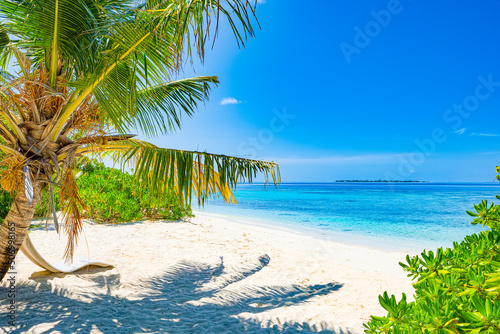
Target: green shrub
point(111, 197)
point(457, 290)
point(5, 202)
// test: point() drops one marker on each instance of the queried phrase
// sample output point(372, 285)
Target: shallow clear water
point(395, 216)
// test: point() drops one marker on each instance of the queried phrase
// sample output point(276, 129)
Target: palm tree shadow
point(189, 297)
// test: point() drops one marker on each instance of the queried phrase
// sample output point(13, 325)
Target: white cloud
point(460, 131)
point(229, 100)
point(484, 134)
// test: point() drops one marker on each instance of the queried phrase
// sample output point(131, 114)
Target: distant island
point(383, 181)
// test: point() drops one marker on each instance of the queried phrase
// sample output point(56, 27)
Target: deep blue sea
point(401, 216)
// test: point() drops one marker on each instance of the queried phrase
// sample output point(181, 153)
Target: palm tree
point(79, 75)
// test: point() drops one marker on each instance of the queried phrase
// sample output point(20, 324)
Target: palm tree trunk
point(15, 226)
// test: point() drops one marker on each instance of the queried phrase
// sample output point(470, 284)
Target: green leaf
point(184, 172)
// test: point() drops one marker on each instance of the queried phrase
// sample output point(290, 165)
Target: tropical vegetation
point(79, 77)
point(111, 196)
point(457, 290)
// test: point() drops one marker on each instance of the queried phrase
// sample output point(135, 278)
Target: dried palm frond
point(87, 119)
point(209, 187)
point(71, 206)
point(12, 174)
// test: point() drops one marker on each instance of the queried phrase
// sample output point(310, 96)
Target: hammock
point(60, 267)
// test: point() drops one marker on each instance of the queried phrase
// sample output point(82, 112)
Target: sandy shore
point(208, 275)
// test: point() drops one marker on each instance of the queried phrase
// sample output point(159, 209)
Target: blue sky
point(357, 90)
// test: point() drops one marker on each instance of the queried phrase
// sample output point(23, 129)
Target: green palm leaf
point(168, 170)
point(146, 47)
point(66, 28)
point(160, 107)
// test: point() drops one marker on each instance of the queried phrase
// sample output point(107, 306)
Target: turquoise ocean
point(394, 216)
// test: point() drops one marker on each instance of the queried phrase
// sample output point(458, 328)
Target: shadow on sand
point(189, 297)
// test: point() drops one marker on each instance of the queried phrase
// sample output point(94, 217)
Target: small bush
point(112, 197)
point(457, 290)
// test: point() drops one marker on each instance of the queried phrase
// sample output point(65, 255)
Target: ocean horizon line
point(373, 182)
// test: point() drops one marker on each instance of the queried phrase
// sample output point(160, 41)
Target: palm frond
point(71, 205)
point(209, 187)
point(11, 151)
point(54, 53)
point(11, 122)
point(160, 107)
point(145, 46)
point(184, 172)
point(63, 28)
point(191, 20)
point(6, 134)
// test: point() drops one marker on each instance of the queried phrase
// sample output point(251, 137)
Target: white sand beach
point(206, 275)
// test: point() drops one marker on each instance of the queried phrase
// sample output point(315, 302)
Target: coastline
point(387, 244)
point(408, 218)
point(208, 272)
